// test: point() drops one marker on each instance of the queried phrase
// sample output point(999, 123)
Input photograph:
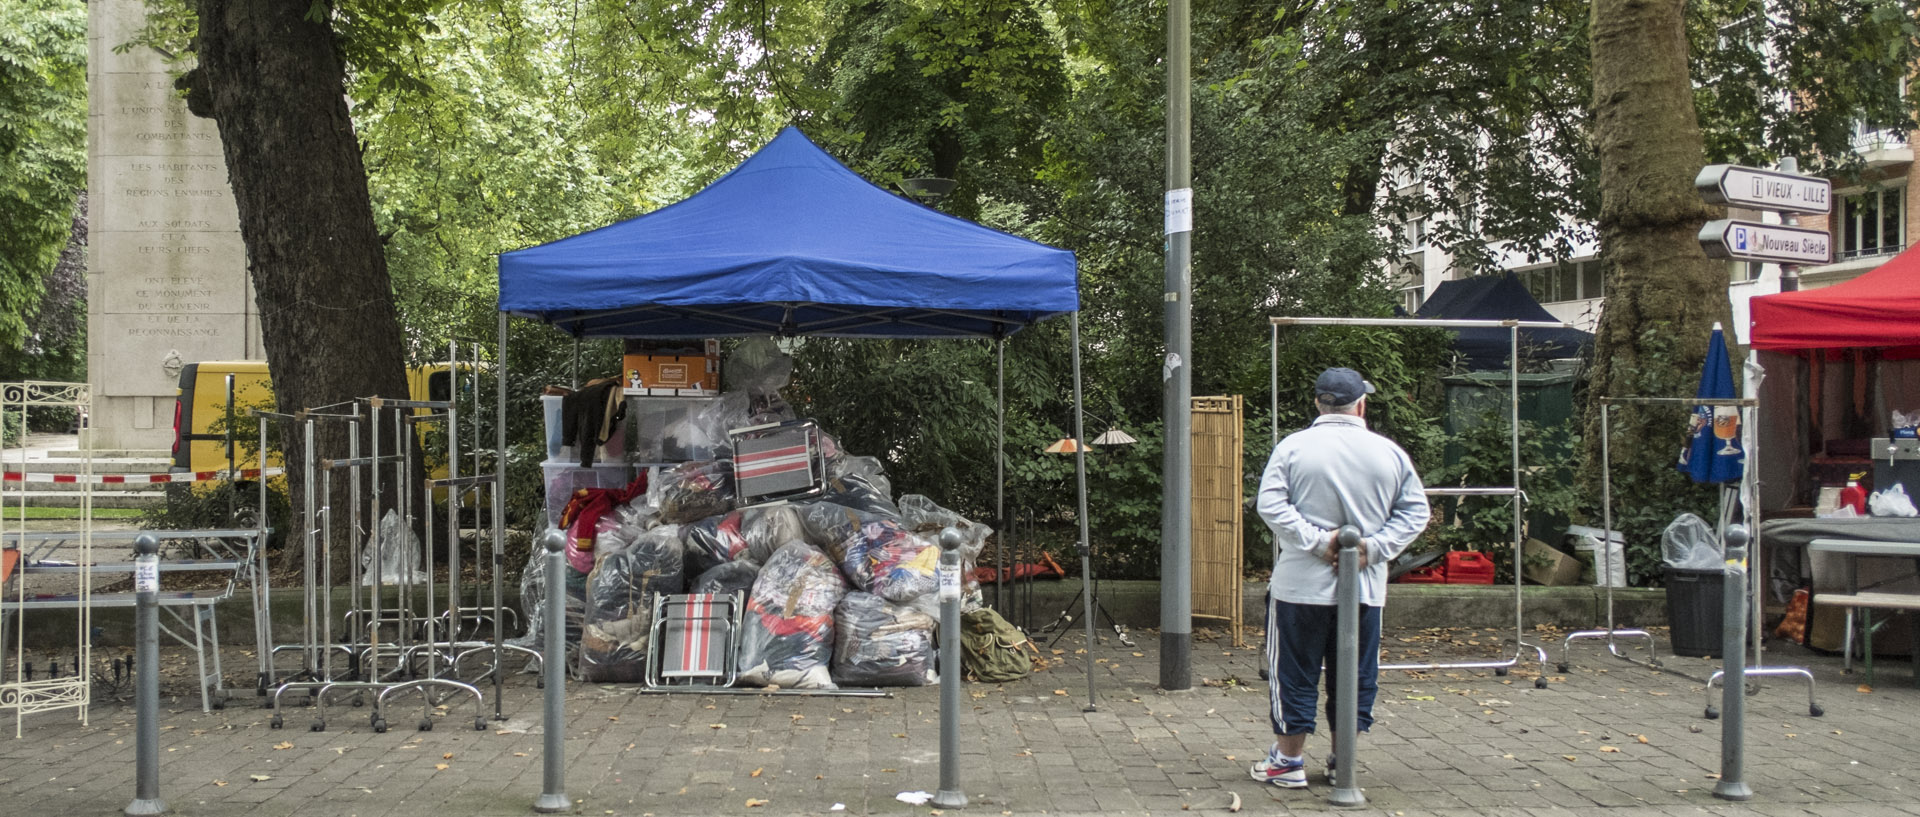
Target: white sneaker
point(1282, 773)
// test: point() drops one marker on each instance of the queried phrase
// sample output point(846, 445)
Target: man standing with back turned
point(1332, 473)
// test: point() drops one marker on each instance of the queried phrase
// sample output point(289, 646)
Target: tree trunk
point(273, 81)
point(1662, 293)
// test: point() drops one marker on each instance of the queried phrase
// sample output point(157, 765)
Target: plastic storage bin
point(665, 429)
point(1694, 599)
point(563, 478)
point(559, 448)
point(550, 411)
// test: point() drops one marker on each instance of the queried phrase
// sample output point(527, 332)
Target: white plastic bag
point(1689, 544)
point(397, 557)
point(1891, 502)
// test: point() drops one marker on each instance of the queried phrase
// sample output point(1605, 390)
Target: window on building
point(1413, 288)
point(1742, 271)
point(1873, 223)
point(1565, 281)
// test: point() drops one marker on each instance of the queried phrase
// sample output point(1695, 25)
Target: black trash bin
point(1694, 599)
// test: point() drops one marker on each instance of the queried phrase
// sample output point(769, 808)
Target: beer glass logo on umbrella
point(1715, 456)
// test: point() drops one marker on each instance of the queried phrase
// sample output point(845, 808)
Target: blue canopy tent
point(793, 243)
point(1500, 297)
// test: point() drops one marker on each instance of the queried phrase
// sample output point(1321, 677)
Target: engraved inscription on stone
point(166, 266)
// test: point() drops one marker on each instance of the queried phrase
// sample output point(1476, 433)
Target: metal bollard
point(1733, 655)
point(553, 664)
point(950, 795)
point(146, 699)
point(1346, 719)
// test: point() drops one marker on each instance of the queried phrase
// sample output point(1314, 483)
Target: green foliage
point(1483, 456)
point(224, 504)
point(43, 125)
point(1794, 78)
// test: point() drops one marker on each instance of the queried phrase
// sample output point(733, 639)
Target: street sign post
point(1753, 241)
point(1764, 189)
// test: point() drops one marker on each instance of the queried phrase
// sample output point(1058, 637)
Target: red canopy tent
point(1838, 359)
point(1878, 309)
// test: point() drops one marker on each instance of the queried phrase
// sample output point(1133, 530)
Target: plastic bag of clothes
point(862, 493)
point(881, 644)
point(788, 637)
point(865, 469)
point(533, 598)
point(692, 491)
point(628, 522)
point(727, 579)
point(619, 617)
point(874, 551)
point(767, 528)
point(925, 517)
point(749, 533)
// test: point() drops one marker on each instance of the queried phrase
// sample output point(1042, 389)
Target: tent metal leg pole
point(499, 515)
point(1080, 479)
point(1000, 473)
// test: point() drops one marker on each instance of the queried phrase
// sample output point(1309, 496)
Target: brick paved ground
point(1446, 743)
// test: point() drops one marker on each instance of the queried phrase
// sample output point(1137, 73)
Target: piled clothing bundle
point(788, 638)
point(881, 644)
point(619, 616)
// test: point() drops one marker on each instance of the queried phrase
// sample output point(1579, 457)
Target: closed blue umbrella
point(1713, 452)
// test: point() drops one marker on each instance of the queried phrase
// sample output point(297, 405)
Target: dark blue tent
point(1499, 297)
point(791, 242)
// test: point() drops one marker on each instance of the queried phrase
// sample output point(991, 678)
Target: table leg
point(1866, 642)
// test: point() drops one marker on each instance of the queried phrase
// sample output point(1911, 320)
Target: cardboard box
point(644, 371)
point(1546, 565)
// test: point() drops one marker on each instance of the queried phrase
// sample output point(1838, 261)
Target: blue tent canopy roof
point(1500, 297)
point(790, 242)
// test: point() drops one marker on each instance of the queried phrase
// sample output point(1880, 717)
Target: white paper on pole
point(146, 574)
point(949, 583)
point(1180, 211)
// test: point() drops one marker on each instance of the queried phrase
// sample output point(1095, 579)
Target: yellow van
point(215, 396)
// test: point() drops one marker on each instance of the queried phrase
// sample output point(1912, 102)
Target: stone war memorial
point(167, 272)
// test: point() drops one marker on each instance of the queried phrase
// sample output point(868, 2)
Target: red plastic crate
point(1469, 567)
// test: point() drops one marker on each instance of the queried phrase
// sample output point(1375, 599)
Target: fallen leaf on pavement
point(756, 772)
point(1570, 758)
point(753, 803)
point(220, 783)
point(1235, 806)
point(259, 778)
point(447, 756)
point(440, 767)
point(285, 744)
point(1608, 749)
point(1059, 692)
point(716, 726)
point(519, 754)
point(1863, 689)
